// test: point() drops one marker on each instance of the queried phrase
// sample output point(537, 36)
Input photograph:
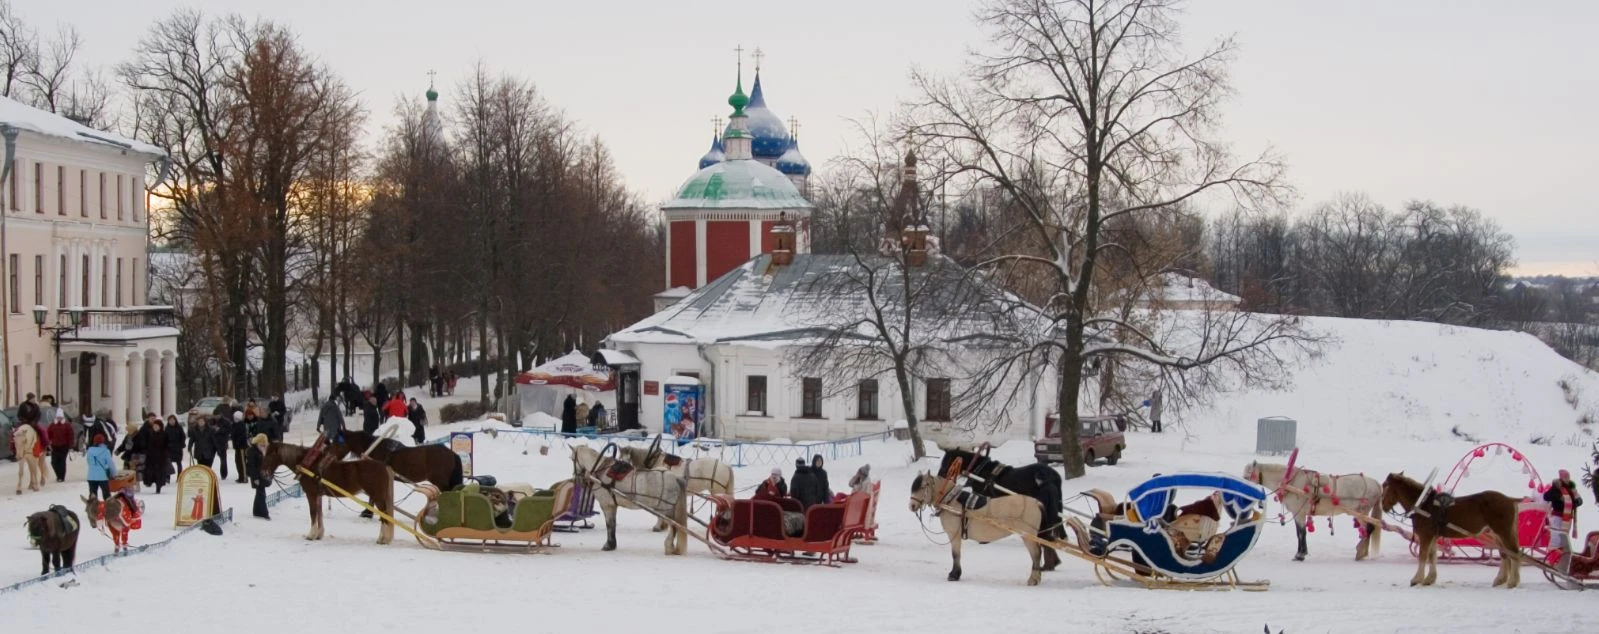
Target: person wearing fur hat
point(861, 482)
point(1563, 502)
point(259, 481)
point(773, 487)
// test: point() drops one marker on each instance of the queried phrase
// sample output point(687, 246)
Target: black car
point(8, 422)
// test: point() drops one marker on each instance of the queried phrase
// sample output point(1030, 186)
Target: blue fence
point(736, 453)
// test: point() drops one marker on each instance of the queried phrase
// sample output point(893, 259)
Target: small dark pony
point(355, 477)
point(56, 533)
point(427, 463)
point(995, 479)
point(1433, 515)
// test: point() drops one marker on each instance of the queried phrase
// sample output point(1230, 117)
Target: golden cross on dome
point(716, 125)
point(758, 55)
point(793, 127)
point(739, 50)
point(431, 73)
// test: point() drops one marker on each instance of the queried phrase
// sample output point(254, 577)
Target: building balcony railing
point(128, 318)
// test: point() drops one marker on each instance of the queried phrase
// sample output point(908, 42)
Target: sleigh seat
point(755, 529)
point(468, 516)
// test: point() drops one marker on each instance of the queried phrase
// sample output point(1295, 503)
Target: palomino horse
point(26, 438)
point(56, 533)
point(1306, 493)
point(993, 478)
point(354, 477)
point(661, 493)
point(1433, 515)
point(700, 475)
point(996, 518)
point(111, 511)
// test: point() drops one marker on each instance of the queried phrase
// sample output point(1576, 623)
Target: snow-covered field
point(1348, 422)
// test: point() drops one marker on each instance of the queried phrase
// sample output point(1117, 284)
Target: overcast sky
point(1486, 104)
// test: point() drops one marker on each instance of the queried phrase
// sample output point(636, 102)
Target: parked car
point(205, 406)
point(8, 422)
point(1101, 438)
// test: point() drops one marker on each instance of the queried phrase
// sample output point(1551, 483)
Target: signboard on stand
point(197, 496)
point(683, 412)
point(461, 444)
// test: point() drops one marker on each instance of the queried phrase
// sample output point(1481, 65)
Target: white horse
point(1305, 493)
point(26, 438)
point(661, 493)
point(701, 475)
point(996, 519)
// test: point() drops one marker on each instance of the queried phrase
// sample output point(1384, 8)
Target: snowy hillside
point(1398, 380)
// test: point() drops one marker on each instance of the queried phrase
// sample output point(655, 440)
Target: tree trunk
point(483, 353)
point(421, 361)
point(399, 349)
point(1071, 384)
point(907, 397)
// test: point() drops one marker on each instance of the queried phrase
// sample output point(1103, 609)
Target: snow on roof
point(675, 292)
point(618, 358)
point(759, 304)
point(1176, 287)
point(24, 117)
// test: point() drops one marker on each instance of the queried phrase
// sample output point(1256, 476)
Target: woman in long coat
point(156, 461)
point(569, 415)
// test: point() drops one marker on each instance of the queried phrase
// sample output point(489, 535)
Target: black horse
point(993, 478)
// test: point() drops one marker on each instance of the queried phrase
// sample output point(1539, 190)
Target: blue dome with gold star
point(792, 162)
point(715, 155)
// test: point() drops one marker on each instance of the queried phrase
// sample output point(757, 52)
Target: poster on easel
point(461, 444)
point(197, 493)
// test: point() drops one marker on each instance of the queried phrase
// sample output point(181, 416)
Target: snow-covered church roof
point(24, 117)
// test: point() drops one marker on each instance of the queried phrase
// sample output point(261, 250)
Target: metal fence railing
point(736, 453)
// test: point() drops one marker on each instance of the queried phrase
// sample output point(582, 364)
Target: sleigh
point(1532, 514)
point(474, 517)
point(756, 530)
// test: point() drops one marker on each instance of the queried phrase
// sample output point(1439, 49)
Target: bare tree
point(1079, 113)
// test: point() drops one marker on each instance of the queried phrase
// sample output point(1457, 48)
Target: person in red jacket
point(61, 437)
point(396, 407)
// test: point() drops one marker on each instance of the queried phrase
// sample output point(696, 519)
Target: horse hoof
point(1299, 557)
point(954, 576)
point(608, 547)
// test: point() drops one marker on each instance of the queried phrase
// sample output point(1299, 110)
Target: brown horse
point(1433, 515)
point(427, 463)
point(354, 477)
point(56, 533)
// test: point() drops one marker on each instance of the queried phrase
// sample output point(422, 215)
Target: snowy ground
point(898, 586)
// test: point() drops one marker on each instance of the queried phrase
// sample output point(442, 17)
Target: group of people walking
point(375, 406)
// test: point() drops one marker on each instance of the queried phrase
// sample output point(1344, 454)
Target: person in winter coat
point(202, 443)
point(351, 393)
point(101, 467)
point(583, 412)
point(1563, 502)
point(176, 439)
point(1157, 402)
point(861, 482)
point(804, 487)
point(132, 448)
point(61, 437)
point(221, 434)
point(370, 419)
point(258, 481)
point(596, 418)
point(569, 415)
point(435, 382)
point(278, 411)
point(396, 407)
point(105, 427)
point(224, 410)
point(821, 477)
point(239, 438)
point(419, 420)
point(381, 392)
point(330, 421)
point(773, 487)
point(156, 457)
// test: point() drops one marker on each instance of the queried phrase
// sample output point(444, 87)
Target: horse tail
point(457, 475)
point(731, 486)
point(1376, 539)
point(1049, 493)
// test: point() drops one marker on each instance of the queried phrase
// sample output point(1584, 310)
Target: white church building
point(75, 238)
point(738, 306)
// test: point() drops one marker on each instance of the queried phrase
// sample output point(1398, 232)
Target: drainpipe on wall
point(10, 135)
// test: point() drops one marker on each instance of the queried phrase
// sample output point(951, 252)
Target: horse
point(700, 475)
point(110, 511)
point(662, 493)
point(1306, 493)
point(56, 533)
point(1433, 515)
point(996, 479)
point(998, 518)
point(426, 463)
point(355, 477)
point(26, 438)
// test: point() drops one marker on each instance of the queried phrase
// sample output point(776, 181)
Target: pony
point(425, 463)
point(26, 438)
point(661, 493)
point(701, 475)
point(1433, 515)
point(998, 518)
point(1306, 493)
point(996, 479)
point(56, 533)
point(355, 477)
point(110, 511)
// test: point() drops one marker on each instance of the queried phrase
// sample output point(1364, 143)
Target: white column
point(169, 383)
point(152, 385)
point(135, 387)
point(117, 365)
point(699, 253)
point(73, 276)
point(755, 237)
point(94, 275)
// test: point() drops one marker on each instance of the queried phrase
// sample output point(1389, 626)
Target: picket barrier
point(736, 453)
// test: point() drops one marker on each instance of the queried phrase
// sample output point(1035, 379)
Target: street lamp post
point(67, 321)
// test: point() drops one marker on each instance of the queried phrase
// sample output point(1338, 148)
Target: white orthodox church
point(738, 264)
